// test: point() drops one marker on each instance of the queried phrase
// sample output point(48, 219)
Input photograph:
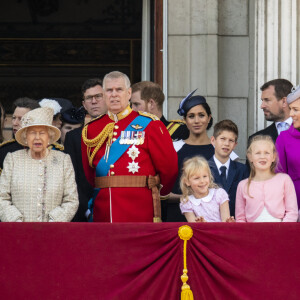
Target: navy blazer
point(85, 190)
point(270, 130)
point(237, 172)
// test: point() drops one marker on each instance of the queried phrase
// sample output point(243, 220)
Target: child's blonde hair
point(258, 138)
point(191, 167)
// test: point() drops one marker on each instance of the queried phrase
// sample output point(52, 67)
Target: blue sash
point(116, 151)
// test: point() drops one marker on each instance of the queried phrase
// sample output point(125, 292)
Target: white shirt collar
point(207, 198)
point(219, 164)
point(233, 155)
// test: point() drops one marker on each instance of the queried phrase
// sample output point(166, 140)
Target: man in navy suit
point(275, 107)
point(95, 105)
point(226, 172)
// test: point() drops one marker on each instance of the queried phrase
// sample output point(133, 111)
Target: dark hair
point(149, 90)
point(282, 87)
point(90, 83)
point(73, 116)
point(2, 111)
point(227, 125)
point(208, 111)
point(25, 102)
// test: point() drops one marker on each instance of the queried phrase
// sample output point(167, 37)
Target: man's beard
point(275, 118)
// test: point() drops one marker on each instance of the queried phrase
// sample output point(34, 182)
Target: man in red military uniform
point(121, 151)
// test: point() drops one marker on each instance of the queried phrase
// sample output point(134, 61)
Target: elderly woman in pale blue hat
point(288, 142)
point(37, 184)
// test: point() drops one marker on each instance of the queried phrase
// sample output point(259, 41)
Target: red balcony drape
point(144, 261)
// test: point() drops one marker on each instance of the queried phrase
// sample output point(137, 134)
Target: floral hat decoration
point(42, 116)
point(294, 94)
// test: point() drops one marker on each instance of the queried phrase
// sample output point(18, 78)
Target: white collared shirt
point(206, 199)
point(219, 165)
point(288, 120)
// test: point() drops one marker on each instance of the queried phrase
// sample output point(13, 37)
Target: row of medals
point(132, 137)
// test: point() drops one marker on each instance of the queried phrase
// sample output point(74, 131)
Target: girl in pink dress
point(265, 196)
point(202, 200)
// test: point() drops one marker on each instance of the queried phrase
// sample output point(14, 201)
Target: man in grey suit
point(275, 107)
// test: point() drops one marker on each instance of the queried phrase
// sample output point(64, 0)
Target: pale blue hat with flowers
point(293, 95)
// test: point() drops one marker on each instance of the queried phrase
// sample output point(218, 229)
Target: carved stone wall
point(228, 49)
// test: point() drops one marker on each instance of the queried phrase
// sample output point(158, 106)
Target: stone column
point(274, 45)
point(208, 49)
point(192, 51)
point(233, 72)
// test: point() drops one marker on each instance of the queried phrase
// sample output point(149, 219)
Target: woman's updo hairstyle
point(190, 101)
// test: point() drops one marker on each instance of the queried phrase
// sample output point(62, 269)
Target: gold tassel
point(185, 233)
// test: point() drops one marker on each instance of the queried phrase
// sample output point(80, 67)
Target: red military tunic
point(156, 156)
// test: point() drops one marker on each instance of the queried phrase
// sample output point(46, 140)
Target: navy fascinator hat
point(73, 115)
point(188, 102)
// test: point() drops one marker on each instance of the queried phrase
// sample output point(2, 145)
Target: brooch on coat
point(133, 153)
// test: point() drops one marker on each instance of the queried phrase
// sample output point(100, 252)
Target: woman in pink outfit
point(288, 143)
point(265, 196)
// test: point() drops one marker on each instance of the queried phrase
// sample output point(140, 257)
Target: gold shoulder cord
point(146, 114)
point(7, 142)
point(56, 146)
point(98, 141)
point(107, 132)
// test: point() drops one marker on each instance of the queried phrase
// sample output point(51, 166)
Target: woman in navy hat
point(72, 118)
point(197, 115)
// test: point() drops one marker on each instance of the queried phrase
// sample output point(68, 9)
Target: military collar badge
point(137, 126)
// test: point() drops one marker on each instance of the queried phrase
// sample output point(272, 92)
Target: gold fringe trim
point(185, 233)
point(7, 142)
point(177, 121)
point(146, 114)
point(56, 146)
